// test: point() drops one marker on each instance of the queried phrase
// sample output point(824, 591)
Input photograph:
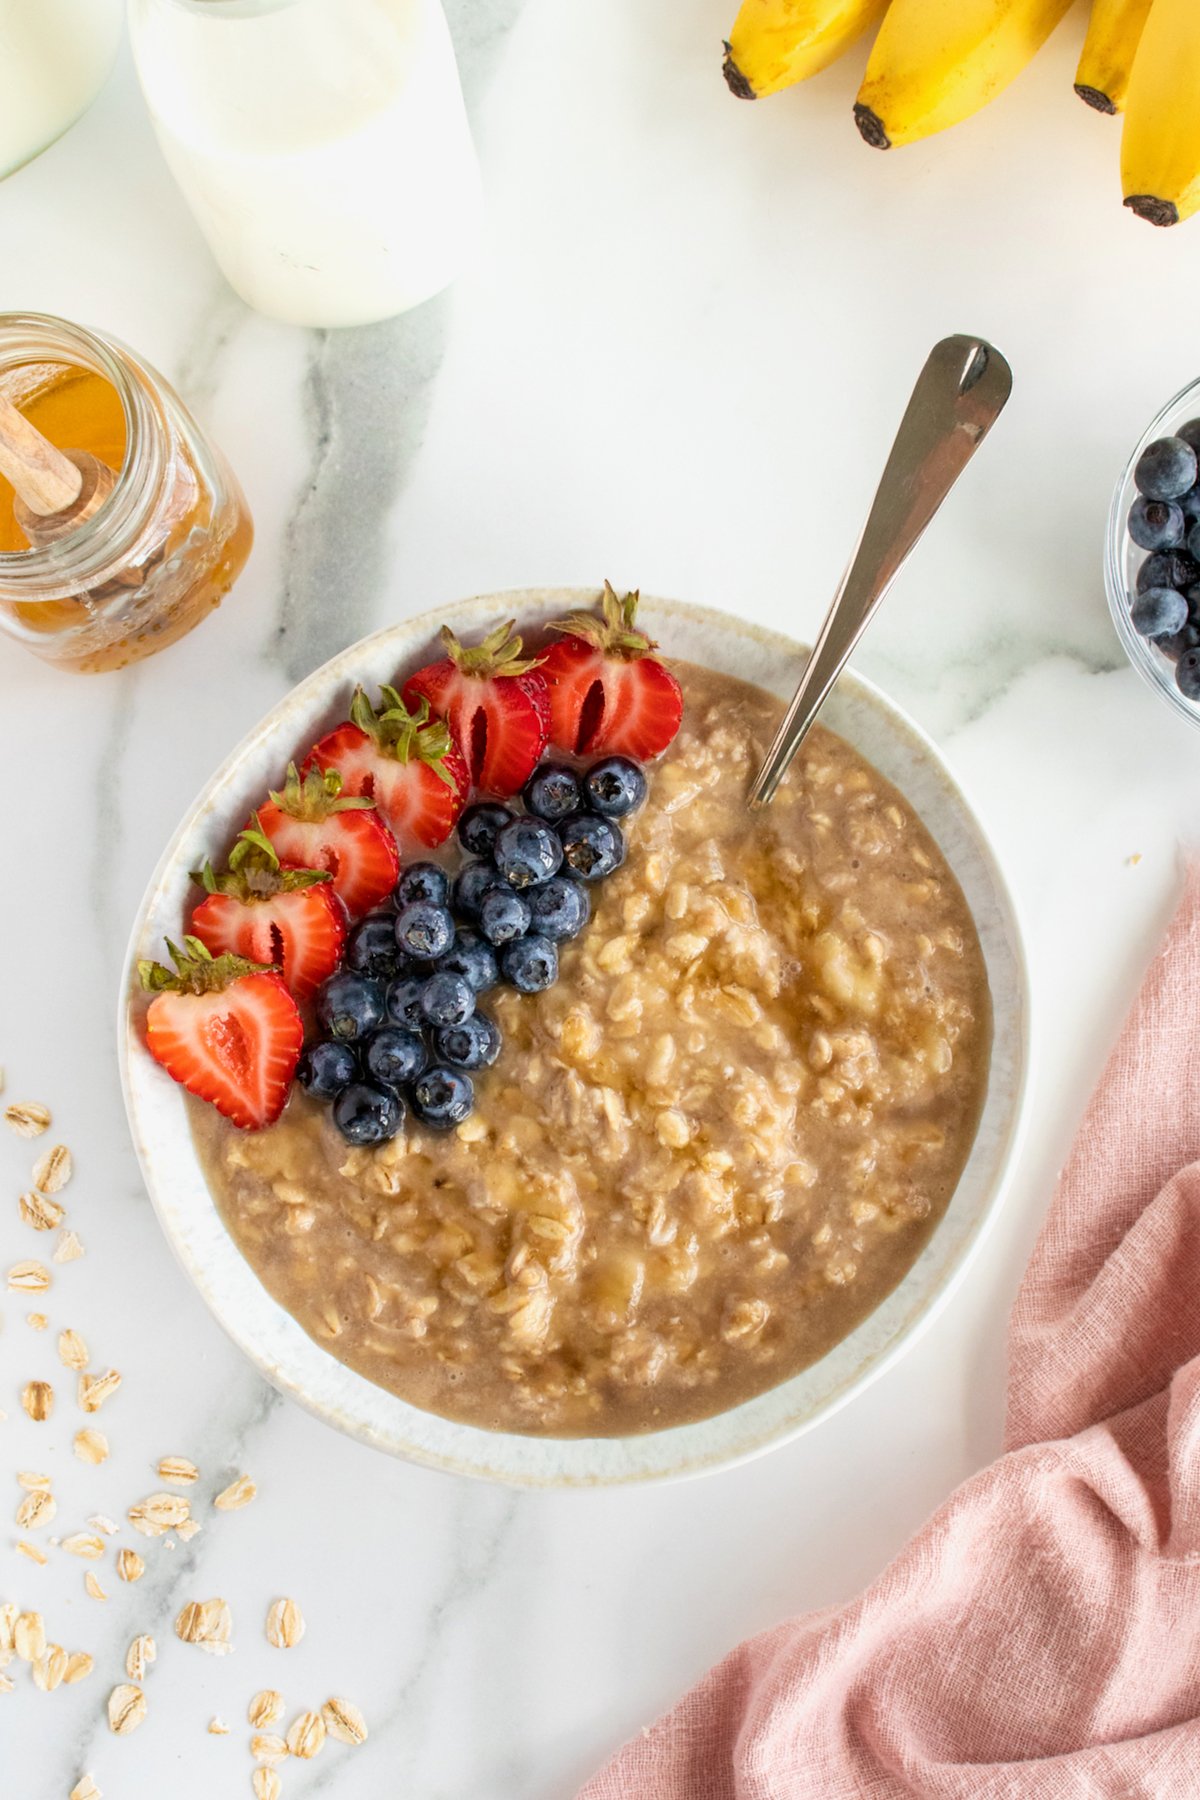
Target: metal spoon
point(959, 394)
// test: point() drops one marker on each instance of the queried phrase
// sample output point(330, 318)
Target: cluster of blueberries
point(1165, 521)
point(399, 1019)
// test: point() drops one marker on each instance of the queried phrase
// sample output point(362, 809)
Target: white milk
point(321, 144)
point(54, 58)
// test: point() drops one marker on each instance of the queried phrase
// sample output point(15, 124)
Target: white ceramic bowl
point(291, 1359)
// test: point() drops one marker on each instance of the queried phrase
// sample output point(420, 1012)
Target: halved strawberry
point(405, 762)
point(313, 825)
point(607, 693)
point(495, 704)
point(268, 914)
point(226, 1029)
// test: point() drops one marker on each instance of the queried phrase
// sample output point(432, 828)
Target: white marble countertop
point(677, 362)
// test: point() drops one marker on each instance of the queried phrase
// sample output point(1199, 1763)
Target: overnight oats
point(638, 1186)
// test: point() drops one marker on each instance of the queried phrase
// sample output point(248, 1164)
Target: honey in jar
point(167, 543)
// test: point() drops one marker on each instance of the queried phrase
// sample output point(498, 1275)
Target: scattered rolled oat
point(6, 1683)
point(39, 1211)
point(91, 1446)
point(177, 1469)
point(306, 1734)
point(25, 1548)
point(266, 1707)
point(344, 1721)
point(53, 1170)
point(28, 1278)
point(49, 1668)
point(206, 1623)
point(84, 1543)
point(93, 1588)
point(36, 1321)
point(140, 1654)
point(29, 1636)
point(85, 1789)
point(102, 1522)
point(36, 1509)
point(68, 1248)
point(126, 1709)
point(30, 1480)
point(187, 1529)
point(79, 1665)
point(37, 1397)
point(72, 1351)
point(158, 1513)
point(268, 1747)
point(94, 1390)
point(217, 1727)
point(239, 1493)
point(285, 1624)
point(130, 1566)
point(266, 1784)
point(27, 1118)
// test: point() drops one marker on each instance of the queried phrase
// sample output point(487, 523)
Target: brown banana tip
point(735, 81)
point(870, 127)
point(1093, 97)
point(1153, 210)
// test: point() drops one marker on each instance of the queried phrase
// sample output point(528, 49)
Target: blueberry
point(473, 959)
point(503, 915)
point(1180, 641)
point(475, 1044)
point(1187, 674)
point(447, 999)
point(470, 885)
point(1159, 612)
point(553, 792)
point(442, 1098)
point(366, 1114)
point(424, 930)
point(1190, 433)
point(592, 846)
point(530, 963)
point(1165, 469)
point(1167, 568)
point(560, 908)
point(1193, 540)
point(325, 1069)
point(1192, 596)
point(527, 852)
point(394, 1055)
point(615, 786)
point(424, 881)
point(479, 824)
point(1156, 524)
point(404, 1002)
point(349, 1006)
point(371, 948)
point(1189, 505)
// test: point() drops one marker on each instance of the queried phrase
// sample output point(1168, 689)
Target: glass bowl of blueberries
point(1152, 554)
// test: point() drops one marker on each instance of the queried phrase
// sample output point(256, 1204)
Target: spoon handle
point(959, 394)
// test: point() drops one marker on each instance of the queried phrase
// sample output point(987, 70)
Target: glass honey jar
point(165, 546)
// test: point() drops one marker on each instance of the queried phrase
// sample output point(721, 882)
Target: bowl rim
point(920, 1317)
point(1154, 667)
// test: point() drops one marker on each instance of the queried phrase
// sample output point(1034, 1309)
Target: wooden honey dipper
point(55, 490)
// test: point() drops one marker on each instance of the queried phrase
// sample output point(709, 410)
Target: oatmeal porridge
point(708, 1151)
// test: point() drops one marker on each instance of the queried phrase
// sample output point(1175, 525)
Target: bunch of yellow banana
point(935, 62)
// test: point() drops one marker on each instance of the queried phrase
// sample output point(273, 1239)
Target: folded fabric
point(1040, 1637)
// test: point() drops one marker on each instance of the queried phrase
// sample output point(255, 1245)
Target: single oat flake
point(91, 1446)
point(344, 1721)
point(306, 1734)
point(140, 1654)
point(29, 1636)
point(206, 1623)
point(265, 1708)
point(266, 1784)
point(79, 1665)
point(130, 1566)
point(31, 1480)
point(37, 1397)
point(28, 1278)
point(217, 1727)
point(27, 1118)
point(178, 1470)
point(102, 1522)
point(53, 1170)
point(39, 1211)
point(72, 1351)
point(36, 1509)
point(25, 1548)
point(84, 1543)
point(36, 1321)
point(85, 1789)
point(157, 1514)
point(126, 1709)
point(239, 1493)
point(49, 1668)
point(94, 1390)
point(268, 1747)
point(68, 1249)
point(285, 1624)
point(94, 1590)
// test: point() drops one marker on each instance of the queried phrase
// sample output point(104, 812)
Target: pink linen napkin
point(1040, 1637)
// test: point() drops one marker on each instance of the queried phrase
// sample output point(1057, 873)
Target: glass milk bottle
point(322, 145)
point(55, 56)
